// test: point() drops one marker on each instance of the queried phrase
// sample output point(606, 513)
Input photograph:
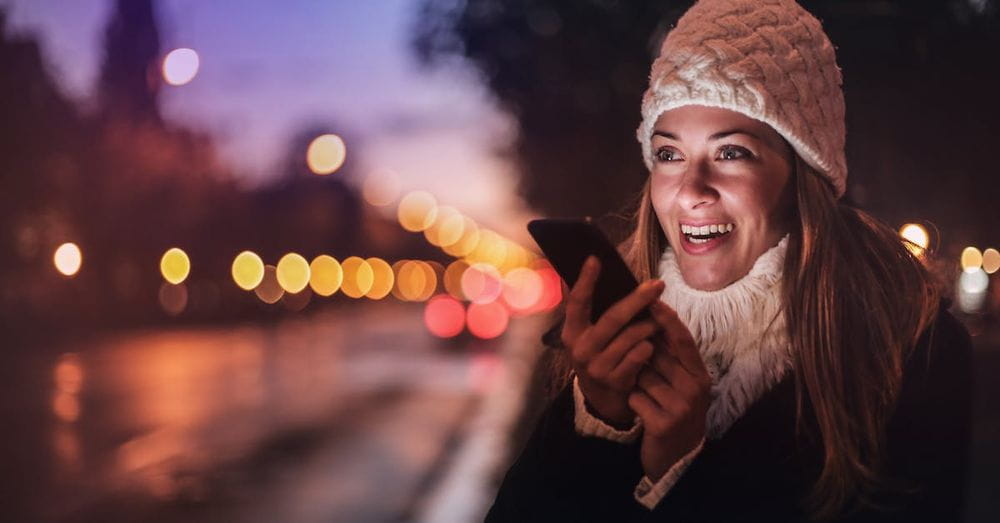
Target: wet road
point(335, 416)
point(338, 416)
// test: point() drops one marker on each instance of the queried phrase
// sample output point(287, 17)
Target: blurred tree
point(572, 72)
point(130, 79)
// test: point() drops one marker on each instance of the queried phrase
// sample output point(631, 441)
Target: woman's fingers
point(604, 362)
point(624, 376)
point(622, 312)
point(578, 302)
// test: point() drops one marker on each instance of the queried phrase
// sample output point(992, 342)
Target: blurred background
point(266, 261)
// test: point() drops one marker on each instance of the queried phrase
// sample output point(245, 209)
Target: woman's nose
point(696, 188)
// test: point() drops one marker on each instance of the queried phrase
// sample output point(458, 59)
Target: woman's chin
point(705, 279)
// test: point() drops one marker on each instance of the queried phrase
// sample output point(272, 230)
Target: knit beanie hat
point(767, 59)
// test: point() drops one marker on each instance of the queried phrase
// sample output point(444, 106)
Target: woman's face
point(720, 188)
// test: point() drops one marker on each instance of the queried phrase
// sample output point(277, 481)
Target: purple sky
point(268, 69)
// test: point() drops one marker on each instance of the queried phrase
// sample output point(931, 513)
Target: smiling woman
point(799, 364)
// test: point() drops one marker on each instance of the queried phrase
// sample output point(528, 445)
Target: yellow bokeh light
point(382, 278)
point(447, 227)
point(916, 236)
point(180, 66)
point(397, 271)
point(972, 259)
point(325, 275)
point(468, 242)
point(417, 211)
point(412, 280)
point(269, 290)
point(175, 265)
point(68, 259)
point(991, 260)
point(293, 272)
point(453, 279)
point(381, 188)
point(248, 270)
point(358, 277)
point(326, 154)
point(491, 249)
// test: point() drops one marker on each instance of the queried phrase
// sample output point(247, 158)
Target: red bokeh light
point(487, 320)
point(444, 316)
point(551, 289)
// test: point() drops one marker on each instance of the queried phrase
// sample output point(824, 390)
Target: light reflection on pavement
point(335, 416)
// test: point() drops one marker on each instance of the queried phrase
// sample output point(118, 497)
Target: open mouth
point(705, 233)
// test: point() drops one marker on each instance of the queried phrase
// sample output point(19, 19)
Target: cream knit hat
point(767, 59)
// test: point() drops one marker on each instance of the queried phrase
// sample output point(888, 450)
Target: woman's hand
point(607, 358)
point(672, 397)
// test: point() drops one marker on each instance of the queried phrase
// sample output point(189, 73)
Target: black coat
point(758, 470)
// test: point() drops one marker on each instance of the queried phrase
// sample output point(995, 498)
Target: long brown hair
point(856, 300)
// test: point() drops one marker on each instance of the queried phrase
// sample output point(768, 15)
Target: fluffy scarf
point(740, 331)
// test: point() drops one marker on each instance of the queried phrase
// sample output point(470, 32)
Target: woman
point(799, 364)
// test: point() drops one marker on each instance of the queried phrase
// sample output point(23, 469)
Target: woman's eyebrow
point(724, 134)
point(716, 136)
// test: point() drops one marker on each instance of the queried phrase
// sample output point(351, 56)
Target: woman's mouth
point(703, 238)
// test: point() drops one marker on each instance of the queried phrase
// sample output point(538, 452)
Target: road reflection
point(335, 416)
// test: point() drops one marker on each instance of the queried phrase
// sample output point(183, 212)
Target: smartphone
point(568, 242)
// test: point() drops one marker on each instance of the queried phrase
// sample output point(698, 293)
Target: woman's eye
point(665, 154)
point(734, 152)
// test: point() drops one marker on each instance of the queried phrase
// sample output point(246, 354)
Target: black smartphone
point(568, 242)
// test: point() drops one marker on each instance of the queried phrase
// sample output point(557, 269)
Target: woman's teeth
point(704, 233)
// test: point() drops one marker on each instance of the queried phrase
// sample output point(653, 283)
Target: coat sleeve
point(929, 435)
point(563, 476)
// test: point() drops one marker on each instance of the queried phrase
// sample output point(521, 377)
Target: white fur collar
point(740, 331)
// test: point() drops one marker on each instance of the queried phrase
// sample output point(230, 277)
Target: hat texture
point(767, 59)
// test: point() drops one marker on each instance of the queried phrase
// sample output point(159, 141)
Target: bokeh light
point(415, 281)
point(975, 281)
point(417, 211)
point(175, 265)
point(481, 283)
point(453, 279)
point(293, 272)
point(68, 259)
point(916, 236)
point(269, 290)
point(972, 259)
point(551, 286)
point(66, 406)
point(447, 227)
point(487, 320)
point(173, 298)
point(991, 260)
point(382, 279)
point(248, 270)
point(522, 289)
point(326, 154)
point(444, 316)
point(180, 66)
point(358, 277)
point(971, 290)
point(325, 275)
point(69, 373)
point(297, 301)
point(491, 249)
point(468, 242)
point(381, 188)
